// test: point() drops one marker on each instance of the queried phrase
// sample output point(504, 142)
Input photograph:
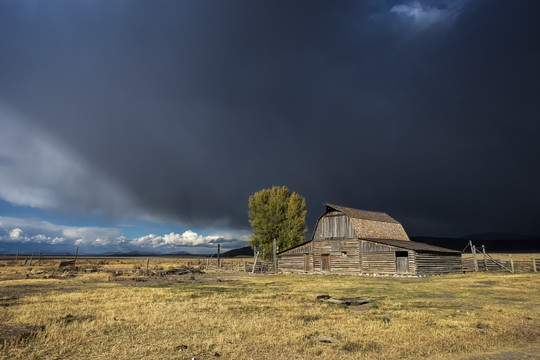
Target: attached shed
point(360, 242)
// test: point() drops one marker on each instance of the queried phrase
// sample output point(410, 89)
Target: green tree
point(276, 213)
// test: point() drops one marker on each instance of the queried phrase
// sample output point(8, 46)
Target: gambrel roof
point(362, 214)
point(371, 224)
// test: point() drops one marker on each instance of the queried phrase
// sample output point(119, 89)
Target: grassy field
point(48, 314)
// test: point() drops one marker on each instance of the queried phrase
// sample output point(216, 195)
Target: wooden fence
point(509, 265)
point(482, 261)
point(241, 265)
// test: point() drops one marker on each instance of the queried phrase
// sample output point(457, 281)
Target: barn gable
point(344, 222)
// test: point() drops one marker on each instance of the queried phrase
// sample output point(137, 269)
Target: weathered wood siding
point(438, 263)
point(294, 260)
point(291, 263)
point(306, 248)
point(381, 259)
point(334, 225)
point(343, 254)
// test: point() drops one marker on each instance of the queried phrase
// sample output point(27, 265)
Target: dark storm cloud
point(425, 110)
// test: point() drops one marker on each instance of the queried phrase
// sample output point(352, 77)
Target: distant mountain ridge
point(244, 251)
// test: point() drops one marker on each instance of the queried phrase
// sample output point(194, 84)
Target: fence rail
point(482, 261)
point(237, 265)
point(499, 265)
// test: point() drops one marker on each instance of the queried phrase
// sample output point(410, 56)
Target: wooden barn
point(352, 241)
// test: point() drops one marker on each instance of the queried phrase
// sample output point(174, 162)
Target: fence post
point(17, 256)
point(31, 257)
point(255, 262)
point(76, 253)
point(245, 266)
point(39, 261)
point(485, 257)
point(218, 255)
point(534, 263)
point(473, 250)
point(207, 261)
point(147, 263)
point(512, 263)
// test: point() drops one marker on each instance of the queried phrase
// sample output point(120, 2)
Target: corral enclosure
point(51, 313)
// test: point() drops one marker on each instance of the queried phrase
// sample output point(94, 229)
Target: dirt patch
point(15, 292)
point(17, 331)
point(185, 279)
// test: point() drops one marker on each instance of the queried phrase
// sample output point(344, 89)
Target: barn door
point(325, 262)
point(402, 262)
point(307, 263)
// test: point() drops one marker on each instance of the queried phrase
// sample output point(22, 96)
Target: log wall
point(291, 263)
point(438, 263)
point(306, 248)
point(343, 253)
point(294, 260)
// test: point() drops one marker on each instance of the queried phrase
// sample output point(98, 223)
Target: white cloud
point(424, 16)
point(44, 232)
point(188, 238)
point(58, 240)
point(15, 233)
point(191, 238)
point(26, 230)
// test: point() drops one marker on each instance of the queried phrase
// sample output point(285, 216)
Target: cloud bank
point(40, 234)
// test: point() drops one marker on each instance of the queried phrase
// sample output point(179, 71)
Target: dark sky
point(426, 110)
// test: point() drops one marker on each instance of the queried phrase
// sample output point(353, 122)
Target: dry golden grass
point(243, 316)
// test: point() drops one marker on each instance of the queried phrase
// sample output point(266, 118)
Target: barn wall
point(334, 225)
point(291, 263)
point(294, 260)
point(306, 248)
point(381, 259)
point(438, 263)
point(343, 253)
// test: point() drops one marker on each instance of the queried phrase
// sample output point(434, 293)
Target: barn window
point(343, 254)
point(402, 254)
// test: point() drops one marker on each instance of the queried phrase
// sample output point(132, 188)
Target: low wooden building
point(352, 241)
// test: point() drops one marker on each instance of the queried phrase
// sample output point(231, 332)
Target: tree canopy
point(276, 213)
